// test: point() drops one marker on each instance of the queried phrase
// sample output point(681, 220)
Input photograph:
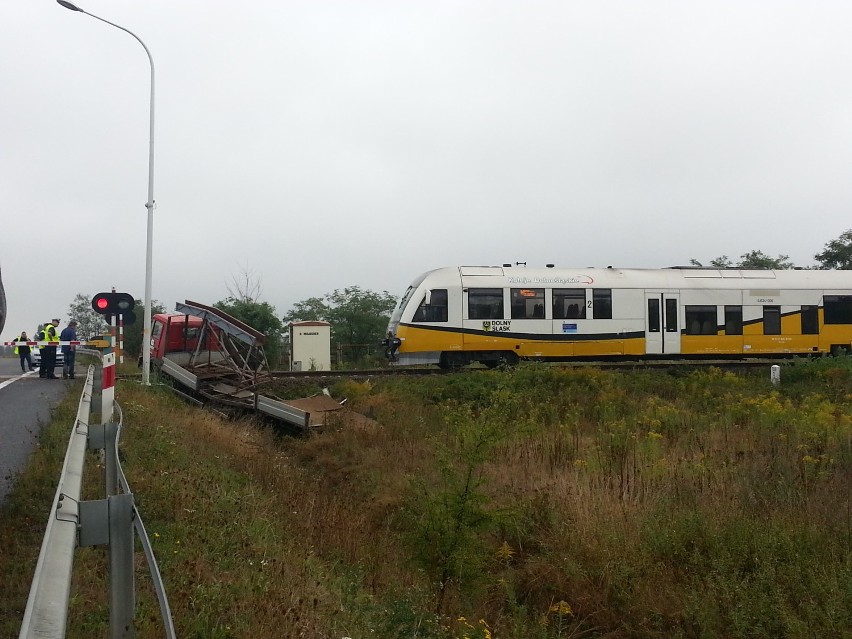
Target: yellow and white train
point(459, 315)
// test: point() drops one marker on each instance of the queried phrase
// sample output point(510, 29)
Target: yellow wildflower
point(505, 552)
point(562, 609)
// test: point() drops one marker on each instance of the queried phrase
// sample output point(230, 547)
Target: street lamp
point(146, 332)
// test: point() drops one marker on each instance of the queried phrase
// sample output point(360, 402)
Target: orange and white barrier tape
point(53, 343)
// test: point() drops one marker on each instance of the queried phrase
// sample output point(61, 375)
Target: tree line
point(837, 254)
point(359, 317)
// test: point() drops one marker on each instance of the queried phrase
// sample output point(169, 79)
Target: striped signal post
point(120, 350)
point(107, 387)
point(113, 341)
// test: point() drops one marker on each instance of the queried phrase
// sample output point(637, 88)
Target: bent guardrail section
point(111, 521)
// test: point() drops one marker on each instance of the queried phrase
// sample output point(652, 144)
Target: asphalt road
point(26, 402)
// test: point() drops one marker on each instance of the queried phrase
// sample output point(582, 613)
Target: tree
point(262, 317)
point(246, 287)
point(837, 254)
point(720, 262)
point(752, 259)
point(759, 260)
point(89, 322)
point(244, 304)
point(358, 318)
point(313, 309)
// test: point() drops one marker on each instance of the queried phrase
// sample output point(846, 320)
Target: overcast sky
point(323, 144)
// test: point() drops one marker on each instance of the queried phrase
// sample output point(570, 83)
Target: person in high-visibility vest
point(23, 351)
point(48, 353)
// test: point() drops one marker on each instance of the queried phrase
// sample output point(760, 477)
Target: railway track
point(293, 412)
point(655, 364)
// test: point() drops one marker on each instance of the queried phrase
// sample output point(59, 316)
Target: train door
point(662, 327)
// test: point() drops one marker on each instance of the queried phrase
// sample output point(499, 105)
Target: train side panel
point(490, 314)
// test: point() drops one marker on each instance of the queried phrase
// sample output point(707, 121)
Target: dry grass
point(637, 505)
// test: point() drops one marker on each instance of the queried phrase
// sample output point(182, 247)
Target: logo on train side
point(584, 280)
point(497, 326)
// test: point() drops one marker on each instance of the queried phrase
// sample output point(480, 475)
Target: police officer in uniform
point(48, 353)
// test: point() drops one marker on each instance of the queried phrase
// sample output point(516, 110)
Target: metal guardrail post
point(122, 595)
point(104, 438)
point(111, 458)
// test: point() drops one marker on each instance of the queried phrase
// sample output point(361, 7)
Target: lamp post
point(146, 332)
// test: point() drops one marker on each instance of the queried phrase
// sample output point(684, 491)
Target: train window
point(433, 307)
point(700, 320)
point(527, 303)
point(654, 315)
point(733, 320)
point(838, 309)
point(810, 320)
point(771, 320)
point(485, 303)
point(602, 303)
point(569, 303)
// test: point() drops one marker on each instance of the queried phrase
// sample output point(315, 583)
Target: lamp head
point(69, 5)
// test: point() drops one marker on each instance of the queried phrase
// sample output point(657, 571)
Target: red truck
point(174, 335)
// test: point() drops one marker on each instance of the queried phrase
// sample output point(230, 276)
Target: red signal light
point(108, 304)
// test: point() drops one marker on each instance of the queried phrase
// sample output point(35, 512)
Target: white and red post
point(108, 379)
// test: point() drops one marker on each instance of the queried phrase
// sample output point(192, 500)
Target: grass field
point(526, 503)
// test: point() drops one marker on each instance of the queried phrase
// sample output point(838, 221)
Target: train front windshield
point(397, 312)
point(403, 302)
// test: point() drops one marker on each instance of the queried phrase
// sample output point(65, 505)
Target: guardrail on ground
point(111, 521)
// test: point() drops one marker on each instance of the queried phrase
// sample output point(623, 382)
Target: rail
point(613, 363)
point(71, 522)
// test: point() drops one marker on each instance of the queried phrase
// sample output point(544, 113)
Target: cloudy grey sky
point(321, 144)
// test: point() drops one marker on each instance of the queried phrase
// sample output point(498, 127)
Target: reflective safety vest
point(17, 339)
point(50, 333)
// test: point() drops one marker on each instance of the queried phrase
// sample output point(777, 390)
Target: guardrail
point(111, 521)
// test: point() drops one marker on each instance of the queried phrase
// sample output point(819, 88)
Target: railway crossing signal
point(109, 304)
